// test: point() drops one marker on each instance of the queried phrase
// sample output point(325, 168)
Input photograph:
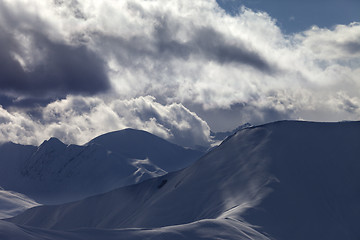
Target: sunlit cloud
point(79, 63)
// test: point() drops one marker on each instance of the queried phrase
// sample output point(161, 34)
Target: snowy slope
point(231, 175)
point(296, 180)
point(12, 160)
point(55, 172)
point(137, 144)
point(220, 136)
point(12, 203)
point(209, 229)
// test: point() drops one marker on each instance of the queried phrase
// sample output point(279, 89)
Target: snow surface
point(208, 229)
point(138, 144)
point(220, 136)
point(13, 203)
point(55, 172)
point(284, 180)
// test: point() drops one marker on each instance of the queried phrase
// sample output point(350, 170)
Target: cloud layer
point(33, 64)
point(167, 60)
point(78, 119)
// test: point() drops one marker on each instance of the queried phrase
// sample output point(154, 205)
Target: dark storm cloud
point(28, 102)
point(206, 43)
point(210, 44)
point(61, 69)
point(352, 47)
point(214, 46)
point(65, 69)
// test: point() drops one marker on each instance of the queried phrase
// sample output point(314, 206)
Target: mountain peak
point(263, 176)
point(139, 144)
point(53, 141)
point(124, 133)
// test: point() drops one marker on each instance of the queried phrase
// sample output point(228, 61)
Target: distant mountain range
point(55, 172)
point(284, 180)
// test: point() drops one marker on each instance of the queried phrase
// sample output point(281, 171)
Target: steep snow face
point(55, 172)
point(50, 160)
point(13, 203)
point(296, 180)
point(12, 159)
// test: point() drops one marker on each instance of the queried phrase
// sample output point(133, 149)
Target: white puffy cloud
point(188, 55)
point(340, 43)
point(17, 127)
point(78, 120)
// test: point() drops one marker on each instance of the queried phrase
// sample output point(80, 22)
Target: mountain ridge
point(55, 170)
point(260, 176)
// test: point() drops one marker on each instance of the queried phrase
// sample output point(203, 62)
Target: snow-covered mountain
point(284, 180)
point(55, 172)
point(220, 136)
point(137, 144)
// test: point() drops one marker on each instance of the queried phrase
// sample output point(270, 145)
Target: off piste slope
point(55, 172)
point(12, 203)
point(209, 229)
point(295, 180)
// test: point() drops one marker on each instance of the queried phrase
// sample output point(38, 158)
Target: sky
point(293, 16)
point(75, 69)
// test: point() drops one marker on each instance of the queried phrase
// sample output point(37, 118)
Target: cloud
point(90, 67)
point(204, 42)
point(213, 45)
point(331, 44)
point(64, 70)
point(79, 119)
point(32, 64)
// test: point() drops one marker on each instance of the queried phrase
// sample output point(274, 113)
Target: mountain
point(55, 172)
point(137, 144)
point(220, 136)
point(12, 159)
point(284, 180)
